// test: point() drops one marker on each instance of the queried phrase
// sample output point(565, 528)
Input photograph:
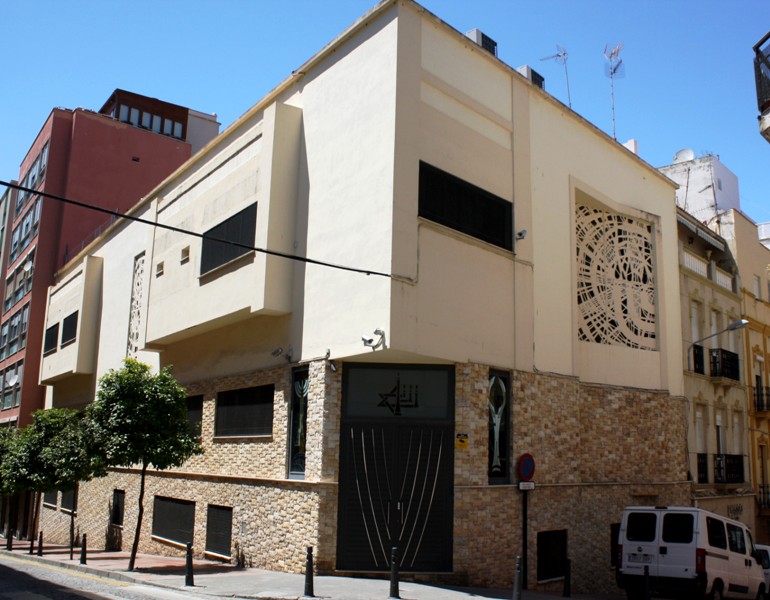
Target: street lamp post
point(734, 326)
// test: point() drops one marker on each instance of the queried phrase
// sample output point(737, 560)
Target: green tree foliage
point(52, 453)
point(141, 418)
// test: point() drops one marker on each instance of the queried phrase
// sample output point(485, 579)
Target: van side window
point(736, 539)
point(678, 528)
point(641, 527)
point(716, 533)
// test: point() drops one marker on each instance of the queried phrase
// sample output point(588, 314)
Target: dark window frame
point(50, 499)
point(219, 530)
point(552, 554)
point(241, 228)
point(69, 329)
point(69, 500)
point(298, 422)
point(51, 339)
point(118, 508)
point(245, 412)
point(195, 414)
point(455, 203)
point(173, 519)
point(499, 474)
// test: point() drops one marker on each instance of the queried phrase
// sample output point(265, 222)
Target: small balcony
point(761, 399)
point(722, 363)
point(727, 468)
point(762, 78)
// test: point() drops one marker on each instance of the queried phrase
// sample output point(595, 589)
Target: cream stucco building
point(478, 274)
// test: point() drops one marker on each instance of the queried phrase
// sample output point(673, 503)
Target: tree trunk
point(135, 545)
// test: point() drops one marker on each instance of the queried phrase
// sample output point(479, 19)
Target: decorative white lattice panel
point(135, 317)
point(615, 279)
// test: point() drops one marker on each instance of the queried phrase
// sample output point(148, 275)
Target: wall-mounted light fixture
point(286, 354)
point(370, 342)
point(520, 235)
point(329, 361)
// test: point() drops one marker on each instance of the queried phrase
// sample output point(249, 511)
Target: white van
point(688, 552)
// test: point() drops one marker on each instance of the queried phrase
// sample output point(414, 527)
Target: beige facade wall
point(351, 129)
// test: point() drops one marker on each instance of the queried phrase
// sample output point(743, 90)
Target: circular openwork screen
point(615, 279)
point(135, 317)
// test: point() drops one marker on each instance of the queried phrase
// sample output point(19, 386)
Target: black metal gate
point(396, 469)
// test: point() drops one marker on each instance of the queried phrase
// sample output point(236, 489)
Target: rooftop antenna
point(613, 69)
point(561, 58)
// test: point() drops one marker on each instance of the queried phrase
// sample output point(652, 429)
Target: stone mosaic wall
point(597, 449)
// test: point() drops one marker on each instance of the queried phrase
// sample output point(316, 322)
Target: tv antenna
point(614, 68)
point(561, 58)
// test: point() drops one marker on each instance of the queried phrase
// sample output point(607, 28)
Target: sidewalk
point(217, 579)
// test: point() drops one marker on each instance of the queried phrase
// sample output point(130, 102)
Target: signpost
point(526, 470)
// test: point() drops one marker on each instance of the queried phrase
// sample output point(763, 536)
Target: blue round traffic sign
point(526, 467)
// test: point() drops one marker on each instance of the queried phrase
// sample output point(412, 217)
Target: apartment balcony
point(726, 468)
point(762, 78)
point(72, 323)
point(722, 363)
point(762, 399)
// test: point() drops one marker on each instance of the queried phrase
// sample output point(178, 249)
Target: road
point(23, 580)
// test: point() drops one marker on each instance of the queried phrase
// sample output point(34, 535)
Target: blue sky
point(688, 78)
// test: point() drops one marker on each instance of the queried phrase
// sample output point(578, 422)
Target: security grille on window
point(454, 203)
point(245, 412)
point(69, 329)
point(173, 519)
point(219, 529)
point(240, 228)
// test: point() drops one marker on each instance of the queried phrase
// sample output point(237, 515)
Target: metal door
point(396, 469)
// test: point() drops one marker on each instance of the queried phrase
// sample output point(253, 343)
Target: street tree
point(52, 453)
point(140, 418)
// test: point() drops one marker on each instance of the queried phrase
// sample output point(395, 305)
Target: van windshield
point(640, 527)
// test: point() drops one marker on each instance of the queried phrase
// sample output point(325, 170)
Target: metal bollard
point(309, 574)
point(31, 547)
point(567, 592)
point(394, 574)
point(40, 543)
point(188, 577)
point(517, 580)
point(83, 550)
point(9, 540)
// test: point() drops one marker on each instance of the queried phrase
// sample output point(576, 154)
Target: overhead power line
point(203, 236)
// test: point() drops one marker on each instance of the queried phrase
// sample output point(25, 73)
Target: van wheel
point(716, 592)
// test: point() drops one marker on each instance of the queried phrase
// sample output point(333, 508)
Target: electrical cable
point(193, 233)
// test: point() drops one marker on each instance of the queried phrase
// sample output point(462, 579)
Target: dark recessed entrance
point(396, 468)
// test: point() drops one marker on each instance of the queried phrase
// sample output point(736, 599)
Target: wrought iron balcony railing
point(722, 363)
point(728, 468)
point(762, 73)
point(763, 496)
point(761, 399)
point(703, 468)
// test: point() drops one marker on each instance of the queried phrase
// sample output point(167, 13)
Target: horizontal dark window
point(173, 519)
point(69, 500)
point(238, 229)
point(454, 203)
point(50, 498)
point(247, 411)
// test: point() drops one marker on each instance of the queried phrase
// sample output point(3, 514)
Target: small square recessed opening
point(185, 255)
point(159, 269)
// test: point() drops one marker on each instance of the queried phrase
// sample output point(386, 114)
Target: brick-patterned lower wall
point(597, 449)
